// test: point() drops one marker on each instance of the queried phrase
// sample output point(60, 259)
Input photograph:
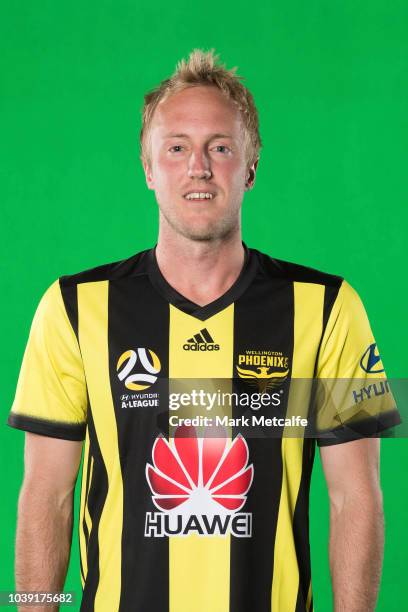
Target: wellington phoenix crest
point(267, 369)
point(199, 484)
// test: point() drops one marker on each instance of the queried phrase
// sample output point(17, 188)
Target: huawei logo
point(199, 484)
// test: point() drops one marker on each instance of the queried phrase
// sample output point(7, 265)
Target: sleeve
point(353, 398)
point(51, 395)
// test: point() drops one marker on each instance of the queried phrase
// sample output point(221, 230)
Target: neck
point(202, 271)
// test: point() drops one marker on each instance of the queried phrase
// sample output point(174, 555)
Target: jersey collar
point(202, 313)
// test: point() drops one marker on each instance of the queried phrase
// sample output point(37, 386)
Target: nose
point(199, 166)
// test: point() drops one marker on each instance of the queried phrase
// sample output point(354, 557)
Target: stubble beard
point(214, 230)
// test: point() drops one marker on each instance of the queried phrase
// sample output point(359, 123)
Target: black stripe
point(206, 335)
point(136, 322)
point(96, 500)
point(198, 338)
point(257, 316)
point(81, 568)
point(301, 524)
point(69, 294)
point(330, 295)
point(53, 429)
point(86, 533)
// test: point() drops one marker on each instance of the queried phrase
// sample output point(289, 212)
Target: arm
point(356, 523)
point(44, 525)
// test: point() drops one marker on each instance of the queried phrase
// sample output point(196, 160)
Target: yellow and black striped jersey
point(189, 503)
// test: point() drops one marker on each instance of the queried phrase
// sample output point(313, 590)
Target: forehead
point(196, 110)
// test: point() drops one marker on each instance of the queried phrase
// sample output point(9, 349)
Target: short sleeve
point(51, 396)
point(353, 397)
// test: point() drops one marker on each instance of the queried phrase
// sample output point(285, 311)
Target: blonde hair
point(203, 68)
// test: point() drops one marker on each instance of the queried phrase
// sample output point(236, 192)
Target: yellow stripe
point(308, 321)
point(44, 390)
point(93, 337)
point(200, 566)
point(88, 519)
point(309, 597)
point(82, 541)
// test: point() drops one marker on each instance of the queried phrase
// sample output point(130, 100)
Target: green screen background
point(329, 80)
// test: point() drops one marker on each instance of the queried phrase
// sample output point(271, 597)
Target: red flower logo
point(199, 475)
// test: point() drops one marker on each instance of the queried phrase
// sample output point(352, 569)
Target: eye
point(176, 147)
point(224, 147)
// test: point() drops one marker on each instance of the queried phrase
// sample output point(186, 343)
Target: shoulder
point(62, 295)
point(294, 272)
point(132, 266)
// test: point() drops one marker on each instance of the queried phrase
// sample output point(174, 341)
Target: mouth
point(199, 196)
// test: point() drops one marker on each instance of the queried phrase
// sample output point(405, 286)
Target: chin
point(202, 237)
point(206, 234)
point(202, 230)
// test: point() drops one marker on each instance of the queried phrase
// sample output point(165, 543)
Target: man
point(174, 517)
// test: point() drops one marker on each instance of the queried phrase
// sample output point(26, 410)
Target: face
point(197, 147)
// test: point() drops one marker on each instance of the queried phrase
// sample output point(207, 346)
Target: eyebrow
point(177, 135)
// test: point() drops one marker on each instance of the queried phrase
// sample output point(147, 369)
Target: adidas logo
point(202, 341)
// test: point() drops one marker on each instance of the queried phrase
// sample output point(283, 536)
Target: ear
point(148, 174)
point(251, 174)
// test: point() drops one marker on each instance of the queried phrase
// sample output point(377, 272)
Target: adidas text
point(201, 347)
